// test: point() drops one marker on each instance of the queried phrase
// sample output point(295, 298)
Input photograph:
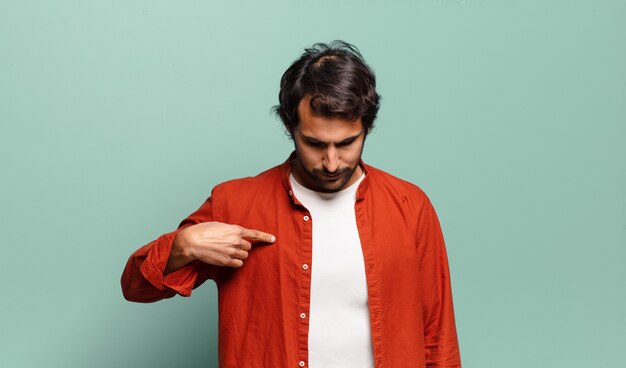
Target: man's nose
point(331, 159)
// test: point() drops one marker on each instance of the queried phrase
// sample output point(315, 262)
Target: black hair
point(338, 82)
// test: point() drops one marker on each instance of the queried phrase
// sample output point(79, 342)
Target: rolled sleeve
point(144, 279)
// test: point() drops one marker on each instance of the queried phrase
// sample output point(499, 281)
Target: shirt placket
point(305, 225)
point(373, 292)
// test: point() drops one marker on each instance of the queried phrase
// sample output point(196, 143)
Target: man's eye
point(315, 143)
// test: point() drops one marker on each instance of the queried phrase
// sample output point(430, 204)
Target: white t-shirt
point(339, 326)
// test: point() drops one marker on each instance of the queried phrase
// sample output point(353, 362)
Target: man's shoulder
point(264, 180)
point(384, 180)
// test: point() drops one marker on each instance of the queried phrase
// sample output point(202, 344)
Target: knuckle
point(225, 261)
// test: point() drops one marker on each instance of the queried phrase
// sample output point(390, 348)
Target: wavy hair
point(338, 82)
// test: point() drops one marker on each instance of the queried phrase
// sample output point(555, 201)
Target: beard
point(320, 180)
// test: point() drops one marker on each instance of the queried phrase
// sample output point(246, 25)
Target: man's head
point(328, 104)
point(338, 82)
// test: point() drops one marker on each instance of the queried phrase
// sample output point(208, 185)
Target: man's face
point(328, 150)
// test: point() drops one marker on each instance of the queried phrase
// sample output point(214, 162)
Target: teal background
point(117, 119)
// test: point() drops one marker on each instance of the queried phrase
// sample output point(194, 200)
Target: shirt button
point(301, 364)
point(290, 192)
point(305, 266)
point(305, 218)
point(302, 315)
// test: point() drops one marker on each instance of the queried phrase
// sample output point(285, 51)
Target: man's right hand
point(214, 243)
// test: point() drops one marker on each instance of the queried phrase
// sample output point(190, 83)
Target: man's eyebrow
point(309, 138)
point(315, 140)
point(350, 139)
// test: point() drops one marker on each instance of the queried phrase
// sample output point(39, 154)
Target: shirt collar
point(285, 169)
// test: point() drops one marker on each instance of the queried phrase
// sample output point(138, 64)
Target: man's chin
point(332, 185)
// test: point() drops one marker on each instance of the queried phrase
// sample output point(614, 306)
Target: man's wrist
point(179, 254)
point(180, 247)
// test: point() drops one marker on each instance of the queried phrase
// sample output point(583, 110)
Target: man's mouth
point(331, 177)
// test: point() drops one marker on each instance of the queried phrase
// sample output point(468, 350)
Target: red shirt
point(261, 303)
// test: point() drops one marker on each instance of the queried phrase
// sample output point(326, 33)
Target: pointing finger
point(258, 235)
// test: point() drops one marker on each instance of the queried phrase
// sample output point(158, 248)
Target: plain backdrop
point(117, 118)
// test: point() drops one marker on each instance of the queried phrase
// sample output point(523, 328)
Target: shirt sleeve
point(143, 279)
point(440, 338)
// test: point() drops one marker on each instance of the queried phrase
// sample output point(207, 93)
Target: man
point(322, 261)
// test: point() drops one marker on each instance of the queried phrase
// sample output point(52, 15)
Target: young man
point(322, 261)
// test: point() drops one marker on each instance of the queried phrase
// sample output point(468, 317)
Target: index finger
point(258, 235)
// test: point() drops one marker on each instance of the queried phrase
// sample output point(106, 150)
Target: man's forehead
point(329, 136)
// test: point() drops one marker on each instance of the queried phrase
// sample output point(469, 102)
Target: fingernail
point(273, 239)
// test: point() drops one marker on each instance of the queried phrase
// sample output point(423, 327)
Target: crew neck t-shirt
point(339, 326)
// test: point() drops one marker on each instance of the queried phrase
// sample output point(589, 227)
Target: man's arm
point(179, 261)
point(145, 280)
point(214, 243)
point(440, 338)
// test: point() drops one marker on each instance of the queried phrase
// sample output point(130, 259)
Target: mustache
point(338, 172)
